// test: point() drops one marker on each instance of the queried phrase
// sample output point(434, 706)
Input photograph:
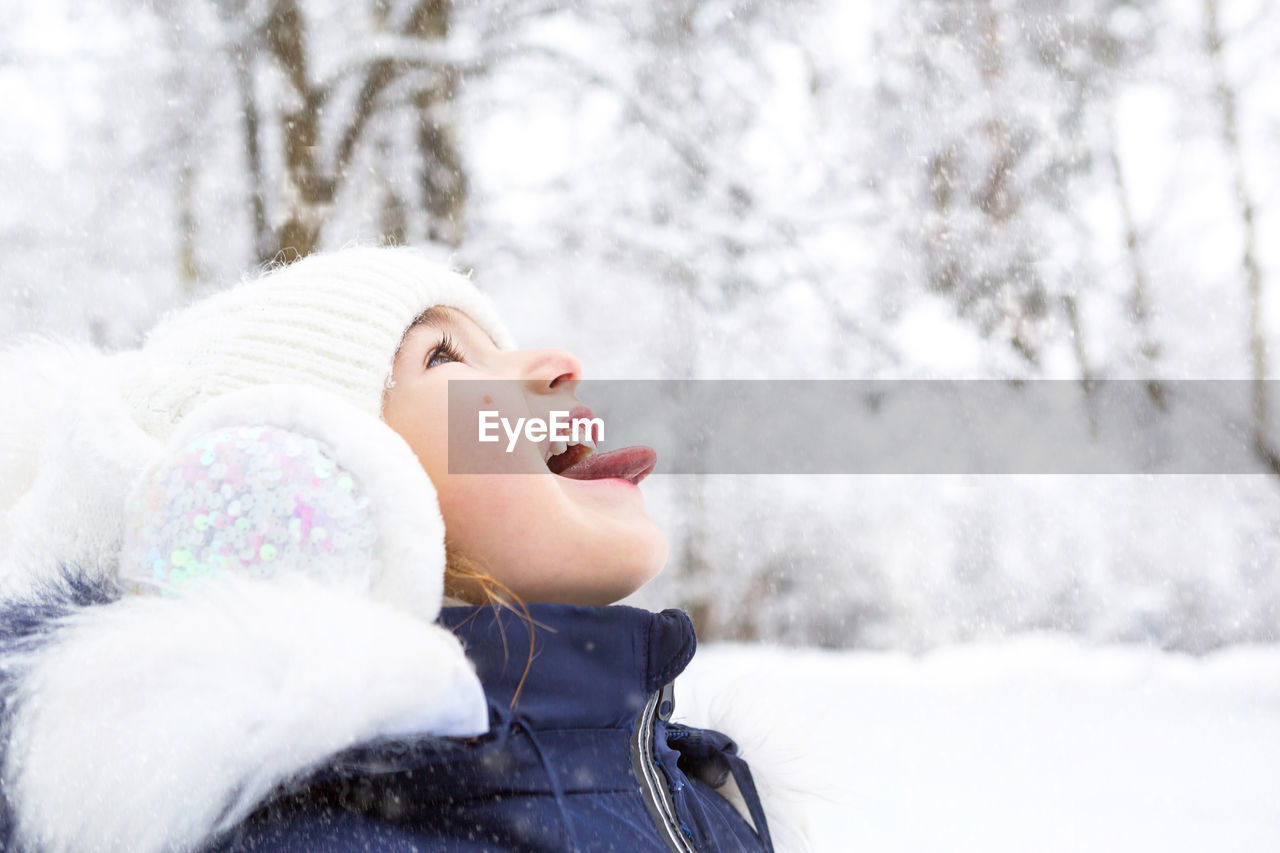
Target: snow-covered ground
point(1032, 745)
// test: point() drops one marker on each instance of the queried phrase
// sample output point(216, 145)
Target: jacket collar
point(591, 666)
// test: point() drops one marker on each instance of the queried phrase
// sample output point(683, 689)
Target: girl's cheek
point(488, 508)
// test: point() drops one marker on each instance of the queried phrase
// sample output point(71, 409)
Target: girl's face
point(546, 537)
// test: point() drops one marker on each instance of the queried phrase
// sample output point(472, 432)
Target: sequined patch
point(249, 500)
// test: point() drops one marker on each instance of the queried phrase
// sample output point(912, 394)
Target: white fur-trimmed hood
point(147, 724)
point(153, 722)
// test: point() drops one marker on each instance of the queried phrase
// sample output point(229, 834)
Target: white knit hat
point(333, 321)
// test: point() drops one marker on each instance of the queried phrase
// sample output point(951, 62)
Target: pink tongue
point(627, 463)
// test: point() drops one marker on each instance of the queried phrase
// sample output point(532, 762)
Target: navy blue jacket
point(580, 755)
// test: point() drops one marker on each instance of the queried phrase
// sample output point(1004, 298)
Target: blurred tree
point(1227, 102)
point(982, 151)
point(311, 79)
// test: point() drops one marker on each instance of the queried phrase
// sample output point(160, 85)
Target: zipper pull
point(667, 701)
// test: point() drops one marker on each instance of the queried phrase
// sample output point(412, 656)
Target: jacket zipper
point(653, 782)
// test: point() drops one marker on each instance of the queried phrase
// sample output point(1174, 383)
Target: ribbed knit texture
point(333, 320)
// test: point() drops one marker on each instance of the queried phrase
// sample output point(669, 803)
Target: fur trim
point(150, 724)
point(31, 381)
point(67, 455)
point(776, 768)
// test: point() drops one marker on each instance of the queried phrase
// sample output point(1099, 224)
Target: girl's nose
point(550, 369)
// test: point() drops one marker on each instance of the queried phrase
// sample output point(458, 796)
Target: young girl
point(227, 554)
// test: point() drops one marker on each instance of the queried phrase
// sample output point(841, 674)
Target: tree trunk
point(442, 177)
point(393, 218)
point(250, 127)
point(188, 239)
point(1253, 272)
point(995, 199)
point(1072, 310)
point(694, 567)
point(307, 192)
point(1139, 309)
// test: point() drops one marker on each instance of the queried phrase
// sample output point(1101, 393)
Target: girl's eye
point(446, 350)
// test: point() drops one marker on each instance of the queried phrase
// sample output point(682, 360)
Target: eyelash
point(445, 347)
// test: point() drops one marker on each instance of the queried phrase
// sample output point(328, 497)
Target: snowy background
point(1035, 743)
point(783, 189)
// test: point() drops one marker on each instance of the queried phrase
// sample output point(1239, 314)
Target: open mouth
point(579, 460)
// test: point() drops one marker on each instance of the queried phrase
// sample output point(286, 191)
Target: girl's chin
point(609, 572)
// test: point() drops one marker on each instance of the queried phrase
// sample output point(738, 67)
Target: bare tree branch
point(286, 36)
